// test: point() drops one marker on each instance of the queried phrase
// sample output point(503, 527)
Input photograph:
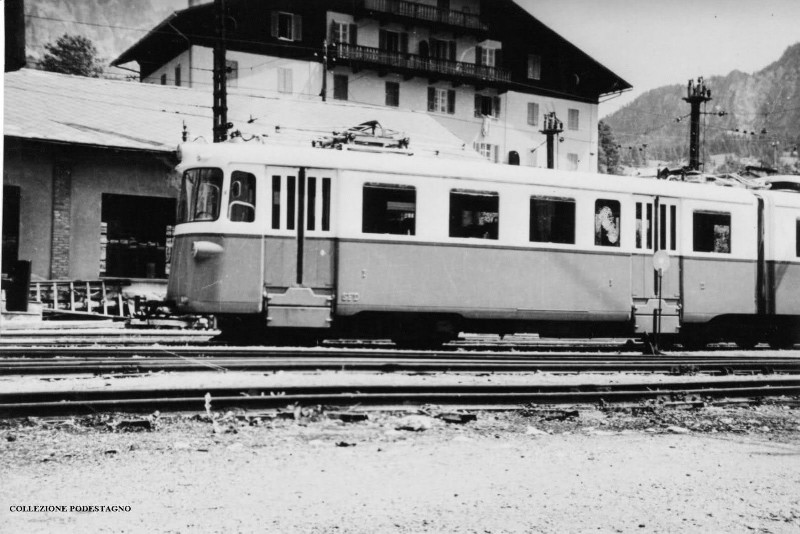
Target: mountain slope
point(761, 109)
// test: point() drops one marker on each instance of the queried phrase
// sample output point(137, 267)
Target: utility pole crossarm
point(551, 127)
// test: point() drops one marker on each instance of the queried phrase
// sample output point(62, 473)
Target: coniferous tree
point(72, 54)
point(608, 159)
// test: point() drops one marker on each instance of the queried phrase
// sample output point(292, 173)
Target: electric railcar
point(336, 243)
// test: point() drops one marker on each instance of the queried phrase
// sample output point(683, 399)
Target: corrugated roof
point(130, 115)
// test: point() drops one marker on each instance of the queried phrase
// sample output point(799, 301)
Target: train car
point(289, 241)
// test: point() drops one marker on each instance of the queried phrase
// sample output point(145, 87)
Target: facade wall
point(302, 77)
point(31, 169)
point(258, 74)
point(92, 172)
point(185, 60)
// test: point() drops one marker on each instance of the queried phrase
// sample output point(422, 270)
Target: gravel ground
point(254, 380)
point(646, 469)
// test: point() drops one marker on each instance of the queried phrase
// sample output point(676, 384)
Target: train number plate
point(350, 297)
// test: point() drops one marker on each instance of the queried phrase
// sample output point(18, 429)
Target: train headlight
point(205, 249)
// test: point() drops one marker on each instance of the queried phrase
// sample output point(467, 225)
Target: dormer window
point(287, 26)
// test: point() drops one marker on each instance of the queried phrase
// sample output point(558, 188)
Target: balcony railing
point(427, 13)
point(419, 64)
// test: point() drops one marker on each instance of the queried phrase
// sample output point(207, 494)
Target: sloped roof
point(54, 107)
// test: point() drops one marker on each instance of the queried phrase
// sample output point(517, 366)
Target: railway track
point(127, 360)
point(772, 375)
point(195, 399)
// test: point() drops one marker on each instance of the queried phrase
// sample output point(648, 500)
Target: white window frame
point(295, 29)
point(285, 78)
point(341, 33)
point(573, 119)
point(440, 100)
point(488, 151)
point(533, 118)
point(488, 57)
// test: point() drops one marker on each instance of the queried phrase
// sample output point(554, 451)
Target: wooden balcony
point(414, 12)
point(411, 65)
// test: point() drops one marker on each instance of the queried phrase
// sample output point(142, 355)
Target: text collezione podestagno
point(66, 508)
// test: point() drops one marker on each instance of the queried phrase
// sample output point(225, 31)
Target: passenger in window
point(722, 238)
point(606, 228)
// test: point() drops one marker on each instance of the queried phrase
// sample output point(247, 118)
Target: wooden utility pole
point(220, 108)
point(551, 127)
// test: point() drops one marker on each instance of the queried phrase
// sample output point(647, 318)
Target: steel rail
point(145, 366)
point(11, 352)
point(21, 404)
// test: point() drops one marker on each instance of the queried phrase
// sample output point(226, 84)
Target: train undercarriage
point(420, 330)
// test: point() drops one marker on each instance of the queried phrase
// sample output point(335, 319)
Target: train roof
point(223, 154)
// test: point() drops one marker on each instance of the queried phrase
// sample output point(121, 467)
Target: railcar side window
point(311, 203)
point(644, 226)
point(242, 197)
point(474, 214)
point(200, 195)
point(712, 232)
point(389, 209)
point(797, 239)
point(552, 220)
point(606, 223)
point(326, 204)
point(276, 202)
point(290, 202)
point(673, 227)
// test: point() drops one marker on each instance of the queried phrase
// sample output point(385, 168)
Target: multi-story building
point(485, 69)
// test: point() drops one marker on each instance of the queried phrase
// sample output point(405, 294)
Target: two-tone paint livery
point(334, 242)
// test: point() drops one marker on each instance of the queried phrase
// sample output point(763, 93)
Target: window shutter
point(382, 39)
point(498, 57)
point(452, 50)
point(479, 55)
point(431, 98)
point(404, 43)
point(478, 102)
point(496, 106)
point(297, 33)
point(495, 153)
point(354, 34)
point(451, 101)
point(274, 31)
point(332, 38)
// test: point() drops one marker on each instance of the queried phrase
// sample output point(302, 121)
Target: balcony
point(411, 65)
point(413, 12)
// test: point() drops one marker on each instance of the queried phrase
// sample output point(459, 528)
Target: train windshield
point(200, 195)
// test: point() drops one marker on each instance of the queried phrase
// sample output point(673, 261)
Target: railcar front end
point(251, 246)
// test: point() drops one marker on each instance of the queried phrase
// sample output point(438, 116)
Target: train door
point(657, 220)
point(299, 251)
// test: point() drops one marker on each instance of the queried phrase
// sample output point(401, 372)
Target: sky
point(650, 43)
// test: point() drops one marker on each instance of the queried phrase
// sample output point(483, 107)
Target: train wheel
point(782, 340)
point(746, 342)
point(693, 343)
point(424, 333)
